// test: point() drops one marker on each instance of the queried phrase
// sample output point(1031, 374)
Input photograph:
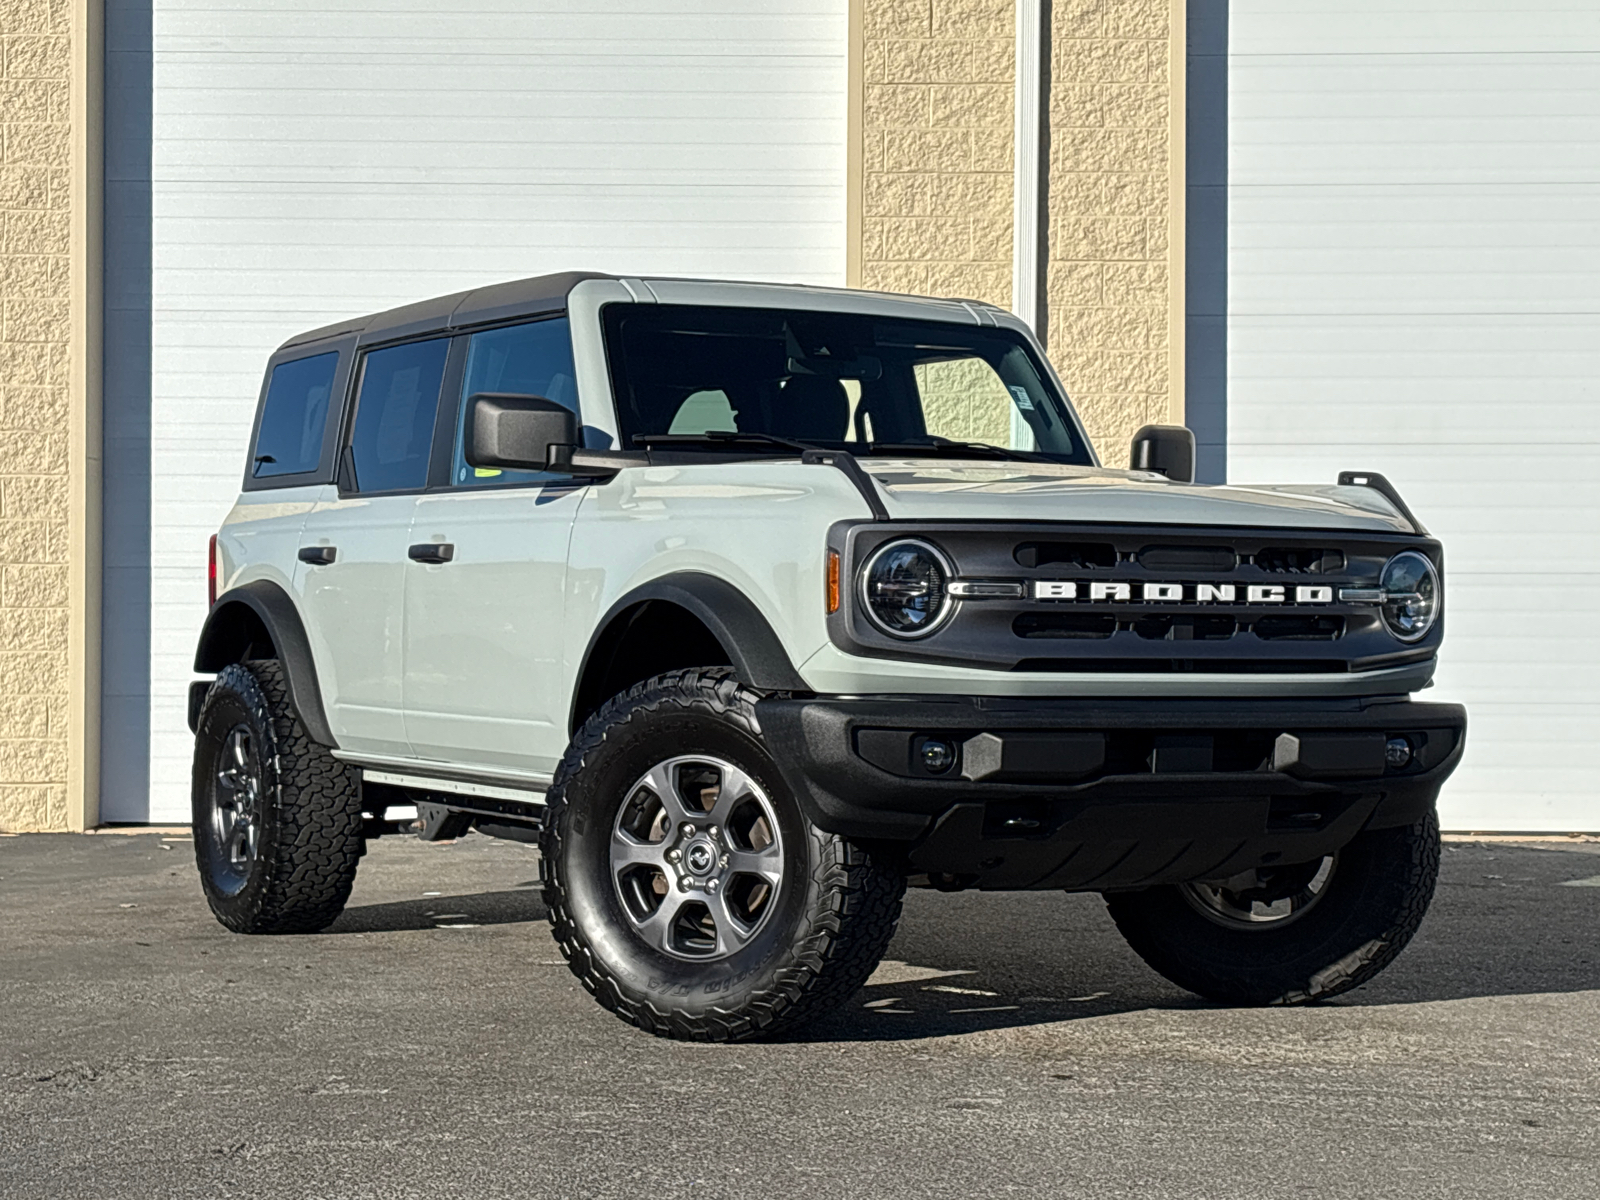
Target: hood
point(1005, 491)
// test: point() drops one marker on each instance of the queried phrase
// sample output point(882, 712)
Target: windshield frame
point(973, 332)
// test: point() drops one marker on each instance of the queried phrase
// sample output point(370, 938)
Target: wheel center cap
point(700, 857)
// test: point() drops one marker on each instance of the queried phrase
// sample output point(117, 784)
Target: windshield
point(833, 380)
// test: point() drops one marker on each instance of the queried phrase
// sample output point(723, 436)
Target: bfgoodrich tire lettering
point(1376, 896)
point(288, 864)
point(832, 916)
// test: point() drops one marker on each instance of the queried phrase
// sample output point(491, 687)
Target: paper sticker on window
point(1021, 394)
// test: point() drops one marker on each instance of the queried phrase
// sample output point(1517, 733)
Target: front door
point(353, 562)
point(484, 636)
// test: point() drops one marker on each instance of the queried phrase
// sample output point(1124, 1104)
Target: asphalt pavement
point(432, 1044)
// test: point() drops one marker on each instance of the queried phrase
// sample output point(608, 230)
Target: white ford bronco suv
point(754, 604)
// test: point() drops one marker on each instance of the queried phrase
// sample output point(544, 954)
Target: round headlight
point(1411, 595)
point(904, 589)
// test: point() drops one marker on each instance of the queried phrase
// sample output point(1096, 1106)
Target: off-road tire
point(310, 836)
point(836, 907)
point(1377, 896)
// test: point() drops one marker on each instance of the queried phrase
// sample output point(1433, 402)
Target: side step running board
point(447, 808)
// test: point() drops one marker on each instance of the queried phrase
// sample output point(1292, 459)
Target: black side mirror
point(518, 433)
point(1165, 449)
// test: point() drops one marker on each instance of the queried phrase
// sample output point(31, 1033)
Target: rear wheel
point(1288, 935)
point(277, 819)
point(686, 888)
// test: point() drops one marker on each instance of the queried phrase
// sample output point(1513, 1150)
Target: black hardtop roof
point(505, 301)
point(517, 297)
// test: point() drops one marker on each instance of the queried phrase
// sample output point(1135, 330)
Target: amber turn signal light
point(833, 582)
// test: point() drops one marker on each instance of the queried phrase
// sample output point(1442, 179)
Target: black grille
point(1299, 629)
point(1137, 606)
point(1293, 560)
point(1064, 625)
point(1185, 628)
point(1066, 554)
point(1188, 558)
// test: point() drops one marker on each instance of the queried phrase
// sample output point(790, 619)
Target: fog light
point(1397, 753)
point(937, 757)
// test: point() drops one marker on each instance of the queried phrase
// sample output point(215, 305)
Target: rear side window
point(395, 411)
point(294, 417)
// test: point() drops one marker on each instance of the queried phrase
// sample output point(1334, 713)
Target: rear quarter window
point(294, 419)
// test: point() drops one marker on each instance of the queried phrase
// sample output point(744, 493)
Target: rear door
point(483, 630)
point(352, 569)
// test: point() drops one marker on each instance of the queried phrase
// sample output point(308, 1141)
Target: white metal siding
point(312, 159)
point(1414, 288)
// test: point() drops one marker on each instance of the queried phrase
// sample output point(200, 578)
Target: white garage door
point(306, 160)
point(1414, 288)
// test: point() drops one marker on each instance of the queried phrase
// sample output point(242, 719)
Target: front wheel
point(1288, 935)
point(686, 888)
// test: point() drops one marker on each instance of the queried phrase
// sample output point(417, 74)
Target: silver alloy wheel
point(1262, 899)
point(236, 802)
point(697, 857)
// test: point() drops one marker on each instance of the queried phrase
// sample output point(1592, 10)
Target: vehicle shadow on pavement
point(509, 907)
point(1019, 959)
point(1505, 921)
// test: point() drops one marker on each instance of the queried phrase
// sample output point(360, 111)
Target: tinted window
point(294, 417)
point(528, 360)
point(394, 415)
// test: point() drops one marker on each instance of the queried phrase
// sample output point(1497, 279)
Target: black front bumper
point(1092, 795)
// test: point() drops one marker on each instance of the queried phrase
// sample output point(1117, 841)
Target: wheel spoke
point(657, 927)
point(663, 782)
point(766, 864)
point(732, 933)
point(629, 851)
point(735, 786)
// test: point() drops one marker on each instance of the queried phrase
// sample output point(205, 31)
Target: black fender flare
point(756, 654)
point(224, 641)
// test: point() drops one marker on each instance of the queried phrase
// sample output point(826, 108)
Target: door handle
point(431, 552)
point(318, 556)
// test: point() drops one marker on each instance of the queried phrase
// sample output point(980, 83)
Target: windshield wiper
point(944, 447)
point(718, 438)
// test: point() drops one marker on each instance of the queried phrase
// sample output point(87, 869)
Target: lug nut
point(688, 829)
point(713, 831)
point(723, 861)
point(674, 855)
point(711, 885)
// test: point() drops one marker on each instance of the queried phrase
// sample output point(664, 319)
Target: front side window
point(395, 411)
point(834, 380)
point(294, 417)
point(524, 360)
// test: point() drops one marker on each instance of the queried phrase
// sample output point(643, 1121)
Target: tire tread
point(309, 865)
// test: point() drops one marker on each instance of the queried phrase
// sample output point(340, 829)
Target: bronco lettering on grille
point(1180, 593)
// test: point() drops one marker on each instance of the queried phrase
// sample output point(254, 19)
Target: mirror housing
point(518, 433)
point(1165, 449)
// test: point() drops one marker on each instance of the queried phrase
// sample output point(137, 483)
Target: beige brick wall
point(35, 348)
point(936, 147)
point(1110, 209)
point(936, 183)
